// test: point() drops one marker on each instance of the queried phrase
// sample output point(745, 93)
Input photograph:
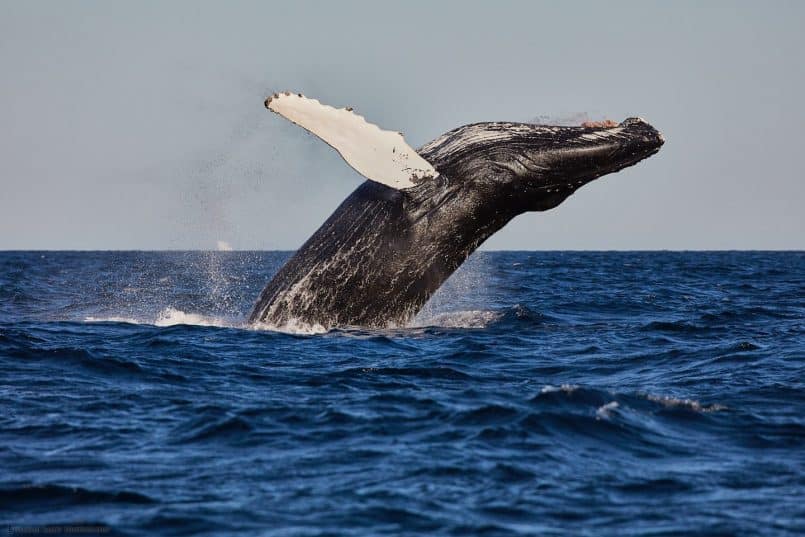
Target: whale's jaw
point(536, 167)
point(593, 152)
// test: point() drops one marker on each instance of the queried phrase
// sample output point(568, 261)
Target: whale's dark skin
point(384, 252)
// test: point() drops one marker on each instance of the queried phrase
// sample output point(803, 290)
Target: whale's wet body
point(385, 251)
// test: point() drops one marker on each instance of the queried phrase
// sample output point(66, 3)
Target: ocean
point(539, 393)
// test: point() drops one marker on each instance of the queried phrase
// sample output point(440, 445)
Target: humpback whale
point(392, 242)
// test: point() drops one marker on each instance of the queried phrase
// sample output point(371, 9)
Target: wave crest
point(169, 316)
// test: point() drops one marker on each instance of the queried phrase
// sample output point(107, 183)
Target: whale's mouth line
point(573, 185)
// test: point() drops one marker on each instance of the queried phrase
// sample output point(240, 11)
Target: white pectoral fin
point(379, 155)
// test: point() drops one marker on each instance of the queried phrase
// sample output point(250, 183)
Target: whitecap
point(169, 316)
point(605, 411)
point(172, 316)
point(567, 388)
point(690, 404)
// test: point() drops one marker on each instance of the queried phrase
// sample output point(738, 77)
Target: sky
point(141, 125)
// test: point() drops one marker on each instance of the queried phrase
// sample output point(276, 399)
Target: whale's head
point(536, 167)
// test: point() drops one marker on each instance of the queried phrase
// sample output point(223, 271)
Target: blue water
point(540, 393)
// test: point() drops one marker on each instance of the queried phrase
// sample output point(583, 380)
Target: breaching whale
point(392, 242)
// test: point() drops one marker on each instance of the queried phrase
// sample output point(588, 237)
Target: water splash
point(170, 316)
point(459, 297)
point(457, 319)
point(291, 326)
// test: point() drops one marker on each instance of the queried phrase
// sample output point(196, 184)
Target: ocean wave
point(59, 495)
point(605, 411)
point(566, 388)
point(603, 402)
point(687, 404)
point(169, 316)
point(204, 428)
point(540, 395)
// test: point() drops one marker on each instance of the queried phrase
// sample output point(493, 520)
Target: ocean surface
point(545, 393)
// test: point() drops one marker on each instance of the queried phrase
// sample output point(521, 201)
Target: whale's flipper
point(379, 155)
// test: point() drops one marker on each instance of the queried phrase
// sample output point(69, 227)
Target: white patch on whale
point(379, 155)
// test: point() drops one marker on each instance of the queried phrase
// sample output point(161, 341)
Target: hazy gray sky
point(141, 125)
